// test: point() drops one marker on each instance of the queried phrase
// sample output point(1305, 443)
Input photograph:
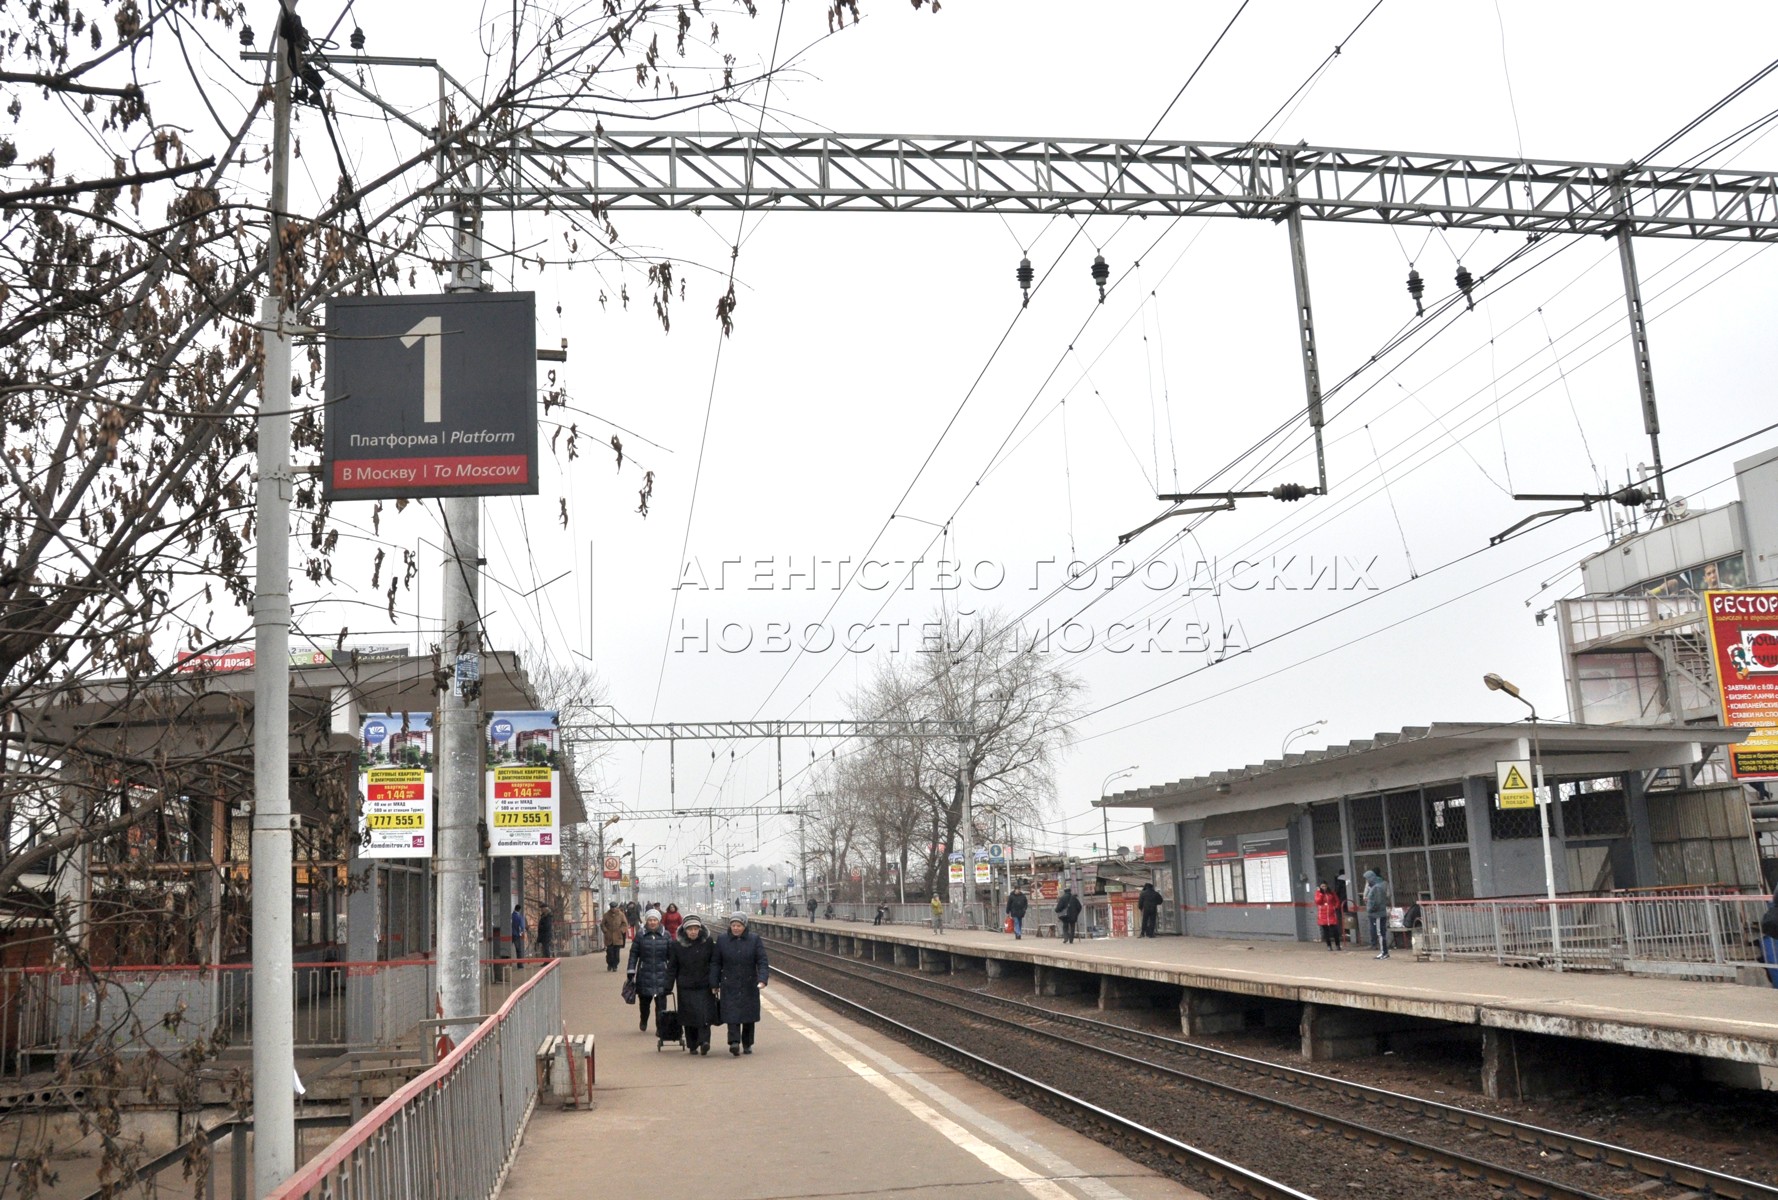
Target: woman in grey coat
point(739, 970)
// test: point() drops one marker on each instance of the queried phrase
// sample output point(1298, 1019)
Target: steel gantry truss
point(831, 172)
point(674, 732)
point(691, 731)
point(606, 171)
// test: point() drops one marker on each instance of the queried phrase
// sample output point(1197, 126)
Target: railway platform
point(1534, 1029)
point(822, 1107)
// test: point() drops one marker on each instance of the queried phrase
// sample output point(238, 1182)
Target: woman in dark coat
point(688, 967)
point(739, 969)
point(648, 965)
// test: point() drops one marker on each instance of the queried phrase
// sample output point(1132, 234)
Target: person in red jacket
point(671, 919)
point(1327, 915)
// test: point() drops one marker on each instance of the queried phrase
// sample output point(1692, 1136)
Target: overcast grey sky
point(857, 336)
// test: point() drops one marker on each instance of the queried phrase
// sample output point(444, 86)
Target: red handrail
point(379, 1116)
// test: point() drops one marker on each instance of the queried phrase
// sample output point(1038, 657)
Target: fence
point(452, 1130)
point(1698, 935)
point(51, 1014)
point(1095, 917)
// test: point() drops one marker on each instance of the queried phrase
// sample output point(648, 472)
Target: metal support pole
point(966, 793)
point(1645, 380)
point(1549, 862)
point(460, 742)
point(274, 1007)
point(1305, 325)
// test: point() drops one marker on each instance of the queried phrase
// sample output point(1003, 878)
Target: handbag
point(629, 991)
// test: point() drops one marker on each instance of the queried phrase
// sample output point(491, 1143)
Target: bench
point(576, 1052)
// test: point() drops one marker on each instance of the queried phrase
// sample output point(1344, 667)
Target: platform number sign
point(431, 396)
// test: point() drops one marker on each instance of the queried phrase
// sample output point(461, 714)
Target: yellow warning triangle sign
point(1514, 781)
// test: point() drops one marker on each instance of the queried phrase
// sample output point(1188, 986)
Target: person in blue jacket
point(648, 965)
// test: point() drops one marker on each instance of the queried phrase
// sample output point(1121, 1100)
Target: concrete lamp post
point(1496, 684)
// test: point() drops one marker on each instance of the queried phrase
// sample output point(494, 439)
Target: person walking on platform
point(813, 905)
point(633, 914)
point(938, 914)
point(1376, 911)
point(1068, 912)
point(1017, 905)
point(688, 972)
point(1148, 900)
point(518, 934)
point(616, 928)
point(1327, 915)
point(738, 970)
point(648, 965)
point(546, 933)
point(671, 920)
point(882, 911)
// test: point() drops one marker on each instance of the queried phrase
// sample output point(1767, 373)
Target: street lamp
point(1105, 813)
point(1303, 731)
point(1497, 684)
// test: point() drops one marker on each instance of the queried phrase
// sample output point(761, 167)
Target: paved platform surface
point(1718, 1020)
point(822, 1108)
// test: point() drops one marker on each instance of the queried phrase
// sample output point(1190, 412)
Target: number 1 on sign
point(431, 331)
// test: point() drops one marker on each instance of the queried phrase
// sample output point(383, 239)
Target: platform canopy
point(1422, 754)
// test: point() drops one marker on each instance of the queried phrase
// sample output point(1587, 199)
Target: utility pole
point(274, 1008)
point(965, 790)
point(460, 929)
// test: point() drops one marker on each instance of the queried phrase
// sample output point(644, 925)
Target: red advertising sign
point(1120, 916)
point(1744, 652)
point(1049, 889)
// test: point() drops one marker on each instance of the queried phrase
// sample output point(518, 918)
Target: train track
point(1248, 1183)
point(1033, 1020)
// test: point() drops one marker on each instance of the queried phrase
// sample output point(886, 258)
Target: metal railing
point(1040, 921)
point(451, 1131)
point(1695, 935)
point(52, 1014)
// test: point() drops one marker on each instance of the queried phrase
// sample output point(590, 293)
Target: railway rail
point(1040, 1022)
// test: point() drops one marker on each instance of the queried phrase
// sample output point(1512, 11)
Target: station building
point(1247, 846)
point(172, 886)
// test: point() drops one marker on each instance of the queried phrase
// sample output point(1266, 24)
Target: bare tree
point(1016, 705)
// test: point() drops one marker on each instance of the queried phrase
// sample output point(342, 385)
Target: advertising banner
point(957, 873)
point(395, 786)
point(983, 873)
point(431, 396)
point(524, 799)
point(1744, 651)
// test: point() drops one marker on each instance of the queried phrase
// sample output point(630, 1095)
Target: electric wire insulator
point(1025, 275)
point(1416, 289)
point(1289, 491)
point(357, 39)
point(1466, 285)
point(1101, 275)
